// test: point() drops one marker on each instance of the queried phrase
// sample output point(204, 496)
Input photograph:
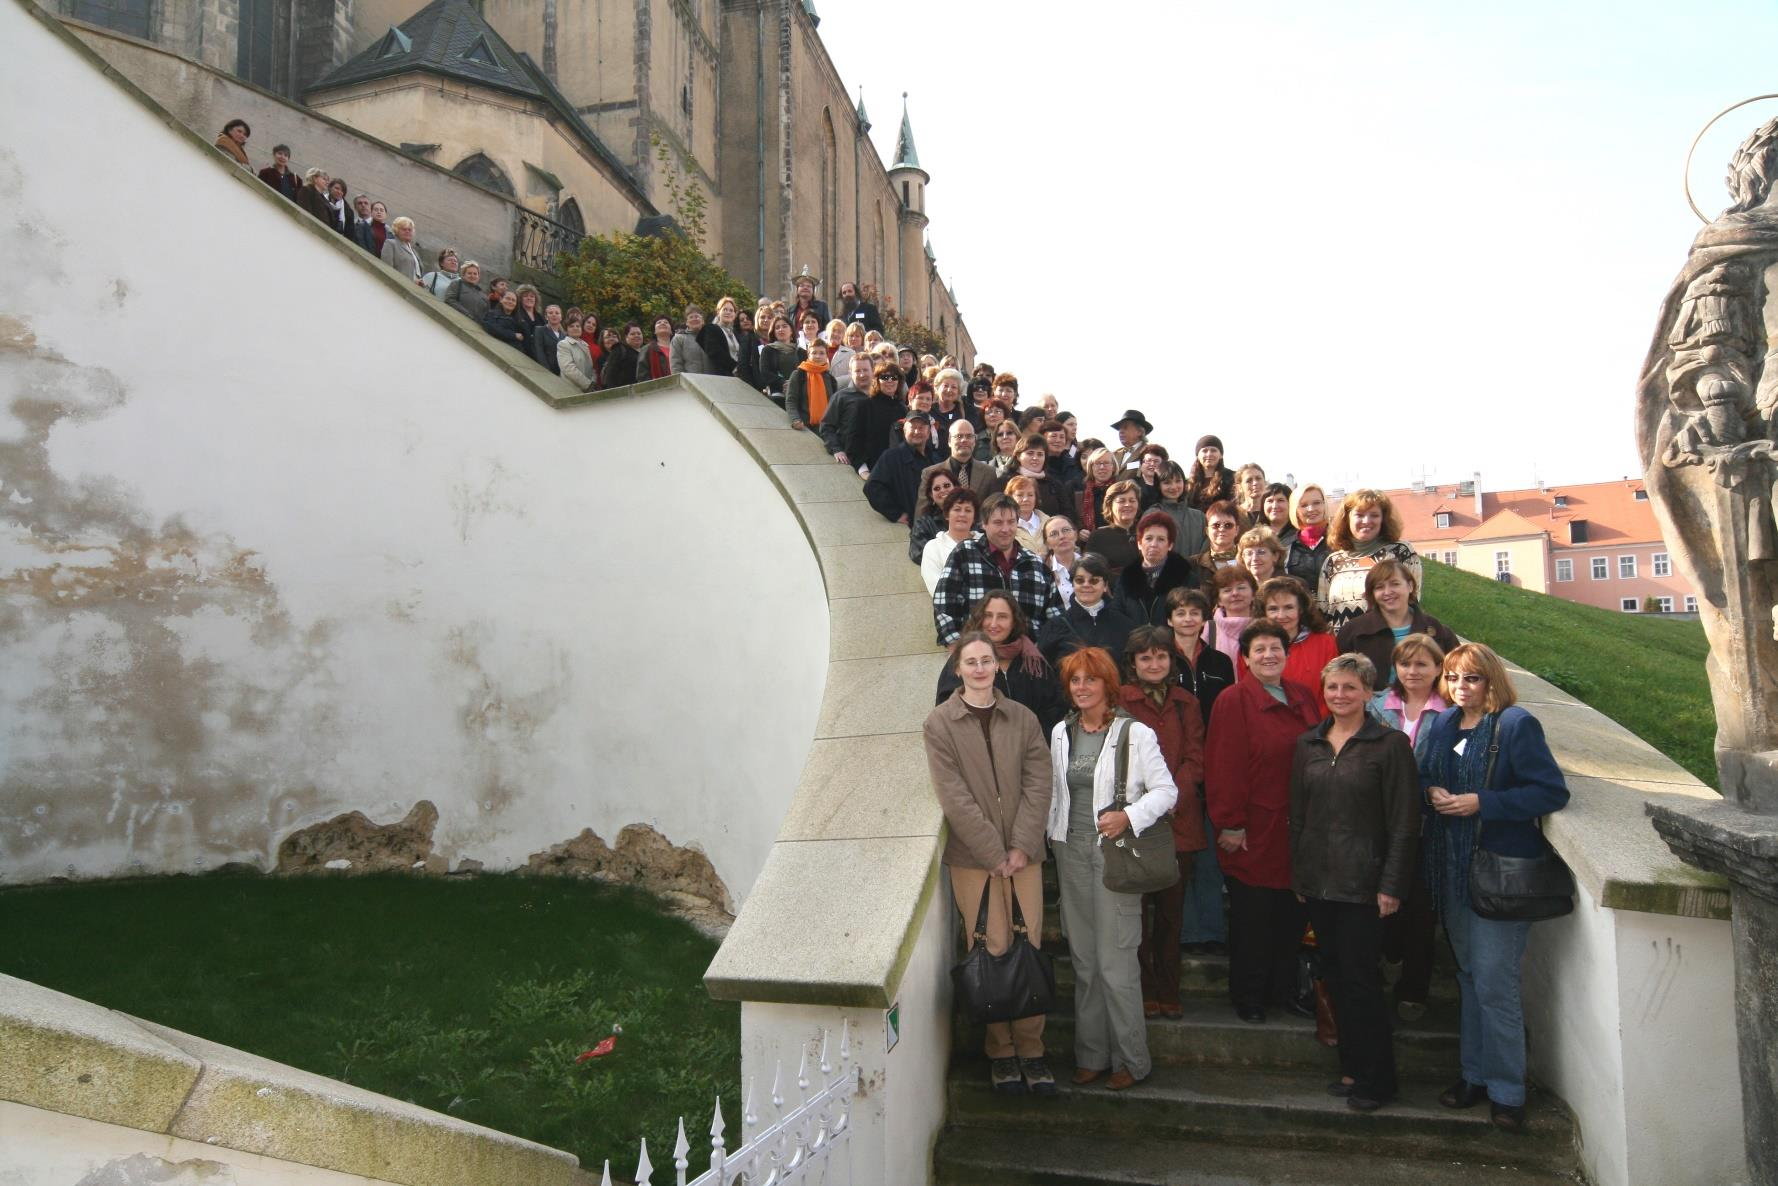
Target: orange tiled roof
point(1507, 524)
point(1611, 510)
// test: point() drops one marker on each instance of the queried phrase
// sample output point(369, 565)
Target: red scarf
point(1311, 535)
point(1089, 506)
point(1025, 651)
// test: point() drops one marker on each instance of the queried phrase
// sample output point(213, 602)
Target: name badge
point(1460, 747)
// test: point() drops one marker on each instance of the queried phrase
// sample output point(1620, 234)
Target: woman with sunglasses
point(1489, 777)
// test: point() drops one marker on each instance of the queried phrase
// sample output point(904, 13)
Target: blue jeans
point(1201, 914)
point(1489, 955)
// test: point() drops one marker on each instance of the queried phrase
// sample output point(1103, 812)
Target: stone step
point(1286, 1110)
point(1211, 1035)
point(1208, 976)
point(970, 1157)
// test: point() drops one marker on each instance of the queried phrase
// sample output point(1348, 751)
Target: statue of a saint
point(1705, 424)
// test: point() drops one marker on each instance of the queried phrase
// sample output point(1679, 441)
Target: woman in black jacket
point(779, 360)
point(1158, 570)
point(1306, 550)
point(1354, 832)
point(620, 360)
point(730, 349)
point(1025, 676)
point(1209, 480)
point(502, 322)
point(1091, 620)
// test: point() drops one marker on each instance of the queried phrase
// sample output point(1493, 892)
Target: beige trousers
point(1005, 1039)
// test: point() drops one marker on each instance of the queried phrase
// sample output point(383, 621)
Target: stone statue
point(1706, 428)
point(1706, 419)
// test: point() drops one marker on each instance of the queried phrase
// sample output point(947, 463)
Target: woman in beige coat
point(991, 772)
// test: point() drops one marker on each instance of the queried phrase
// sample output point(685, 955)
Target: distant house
point(1597, 543)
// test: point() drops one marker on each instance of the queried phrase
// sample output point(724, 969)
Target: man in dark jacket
point(894, 484)
point(862, 310)
point(859, 383)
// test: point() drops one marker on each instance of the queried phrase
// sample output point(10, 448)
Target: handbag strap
point(1120, 802)
point(981, 914)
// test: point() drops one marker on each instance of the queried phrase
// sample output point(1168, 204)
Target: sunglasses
point(1468, 679)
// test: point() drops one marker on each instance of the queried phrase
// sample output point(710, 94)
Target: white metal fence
point(807, 1143)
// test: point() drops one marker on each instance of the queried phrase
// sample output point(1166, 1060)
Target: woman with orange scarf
point(805, 396)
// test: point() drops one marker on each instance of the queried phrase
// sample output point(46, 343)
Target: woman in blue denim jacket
point(1489, 777)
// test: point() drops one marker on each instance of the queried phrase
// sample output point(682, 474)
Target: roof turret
point(905, 155)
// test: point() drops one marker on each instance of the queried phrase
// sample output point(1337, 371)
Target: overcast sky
point(1359, 241)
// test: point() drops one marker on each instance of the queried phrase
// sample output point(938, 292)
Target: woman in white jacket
point(1103, 928)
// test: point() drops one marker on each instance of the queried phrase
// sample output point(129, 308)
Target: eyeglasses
point(1468, 679)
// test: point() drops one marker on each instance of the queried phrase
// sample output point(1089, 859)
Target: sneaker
point(1037, 1076)
point(1006, 1076)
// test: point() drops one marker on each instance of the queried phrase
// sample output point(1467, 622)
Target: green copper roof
point(863, 119)
point(905, 156)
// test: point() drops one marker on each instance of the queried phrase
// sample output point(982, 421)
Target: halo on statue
point(1687, 180)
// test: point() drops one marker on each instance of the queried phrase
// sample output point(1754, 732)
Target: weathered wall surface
point(312, 551)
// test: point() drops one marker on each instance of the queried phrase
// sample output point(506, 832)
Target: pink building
point(1596, 543)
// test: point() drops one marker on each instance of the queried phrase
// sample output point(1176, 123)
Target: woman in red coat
point(1151, 694)
point(1252, 740)
point(1286, 601)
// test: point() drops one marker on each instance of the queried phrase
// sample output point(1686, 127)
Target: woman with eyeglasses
point(1091, 619)
point(1489, 777)
point(1115, 537)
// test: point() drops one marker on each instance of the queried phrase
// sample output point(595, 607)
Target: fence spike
point(718, 1157)
point(845, 1041)
point(777, 1096)
point(802, 1073)
point(717, 1128)
point(644, 1169)
point(749, 1117)
point(605, 1177)
point(826, 1067)
point(681, 1147)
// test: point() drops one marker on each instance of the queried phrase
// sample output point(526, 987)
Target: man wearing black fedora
point(1132, 429)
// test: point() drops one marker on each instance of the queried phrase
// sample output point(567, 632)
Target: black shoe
point(1507, 1117)
point(1462, 1094)
point(1340, 1089)
point(1252, 1014)
point(1301, 1007)
point(1037, 1076)
point(1364, 1103)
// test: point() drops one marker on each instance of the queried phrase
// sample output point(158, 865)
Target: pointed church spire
point(905, 156)
point(863, 119)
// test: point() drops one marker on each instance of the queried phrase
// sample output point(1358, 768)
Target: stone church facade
point(562, 105)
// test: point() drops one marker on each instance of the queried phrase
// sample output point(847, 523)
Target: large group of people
point(1137, 643)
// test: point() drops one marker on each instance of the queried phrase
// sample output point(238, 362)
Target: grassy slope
point(1645, 672)
point(470, 997)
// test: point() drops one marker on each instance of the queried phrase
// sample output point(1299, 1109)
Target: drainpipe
point(857, 208)
point(759, 134)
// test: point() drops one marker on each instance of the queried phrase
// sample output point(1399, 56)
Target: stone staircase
point(1234, 1104)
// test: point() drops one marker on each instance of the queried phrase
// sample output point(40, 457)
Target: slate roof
point(450, 38)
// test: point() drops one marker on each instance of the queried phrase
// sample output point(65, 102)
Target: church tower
point(909, 180)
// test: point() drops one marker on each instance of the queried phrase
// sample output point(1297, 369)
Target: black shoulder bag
point(1517, 889)
point(1019, 982)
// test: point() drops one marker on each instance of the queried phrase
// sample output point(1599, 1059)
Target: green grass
point(467, 996)
point(1643, 671)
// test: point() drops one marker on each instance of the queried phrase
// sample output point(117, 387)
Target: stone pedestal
point(1726, 838)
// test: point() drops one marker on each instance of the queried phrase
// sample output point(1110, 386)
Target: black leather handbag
point(1019, 982)
point(1134, 864)
point(1518, 889)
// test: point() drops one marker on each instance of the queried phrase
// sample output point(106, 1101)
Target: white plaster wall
point(275, 545)
point(901, 1108)
point(40, 1148)
point(1631, 1022)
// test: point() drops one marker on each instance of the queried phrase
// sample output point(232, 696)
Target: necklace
point(972, 704)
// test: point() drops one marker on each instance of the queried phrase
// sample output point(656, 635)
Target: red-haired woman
point(1104, 928)
point(1158, 570)
point(1152, 695)
point(1366, 529)
point(1247, 758)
